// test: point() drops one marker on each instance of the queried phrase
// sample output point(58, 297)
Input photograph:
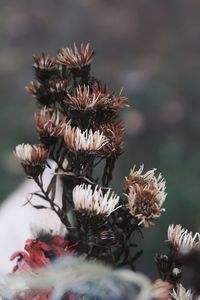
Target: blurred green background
point(152, 49)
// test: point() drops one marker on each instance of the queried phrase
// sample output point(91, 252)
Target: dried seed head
point(180, 293)
point(87, 140)
point(37, 90)
point(44, 62)
point(59, 88)
point(83, 99)
point(161, 290)
point(114, 132)
point(183, 240)
point(93, 202)
point(73, 58)
point(44, 66)
point(50, 123)
point(32, 158)
point(146, 194)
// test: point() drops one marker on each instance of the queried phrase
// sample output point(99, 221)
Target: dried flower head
point(114, 132)
point(146, 194)
point(44, 66)
point(161, 290)
point(83, 99)
point(37, 90)
point(183, 240)
point(87, 140)
point(73, 58)
point(50, 124)
point(32, 158)
point(180, 293)
point(59, 88)
point(93, 202)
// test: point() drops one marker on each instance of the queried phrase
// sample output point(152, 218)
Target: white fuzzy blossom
point(94, 201)
point(180, 293)
point(182, 239)
point(84, 140)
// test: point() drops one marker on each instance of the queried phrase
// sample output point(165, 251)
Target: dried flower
point(161, 290)
point(59, 88)
point(72, 58)
point(87, 140)
point(114, 132)
point(44, 66)
point(37, 90)
point(92, 202)
point(146, 194)
point(50, 123)
point(183, 240)
point(180, 293)
point(32, 158)
point(83, 99)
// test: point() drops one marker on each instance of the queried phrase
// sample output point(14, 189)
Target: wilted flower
point(183, 240)
point(59, 88)
point(32, 158)
point(72, 58)
point(50, 123)
point(83, 99)
point(93, 202)
point(44, 66)
point(37, 90)
point(114, 132)
point(87, 140)
point(161, 290)
point(180, 293)
point(146, 194)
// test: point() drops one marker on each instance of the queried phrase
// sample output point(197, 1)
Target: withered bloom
point(161, 290)
point(76, 59)
point(44, 66)
point(146, 194)
point(32, 158)
point(87, 140)
point(59, 88)
point(50, 124)
point(38, 91)
point(83, 99)
point(183, 240)
point(93, 202)
point(114, 132)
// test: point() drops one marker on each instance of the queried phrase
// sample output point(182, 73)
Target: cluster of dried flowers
point(79, 127)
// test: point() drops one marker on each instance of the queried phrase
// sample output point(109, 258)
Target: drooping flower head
point(94, 202)
point(87, 140)
point(73, 58)
point(33, 158)
point(183, 240)
point(146, 195)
